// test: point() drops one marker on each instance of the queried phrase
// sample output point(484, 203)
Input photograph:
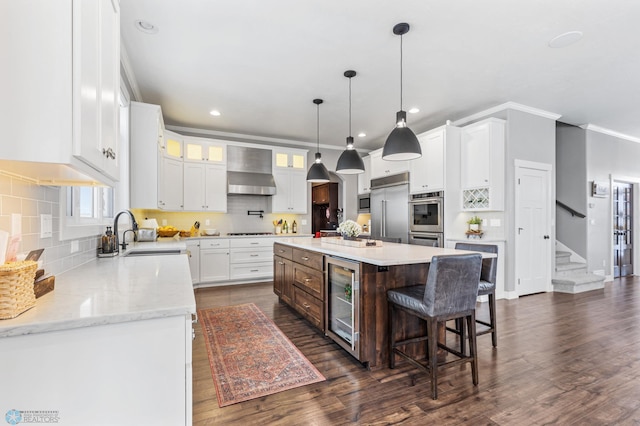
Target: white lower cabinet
point(227, 261)
point(252, 258)
point(214, 260)
point(136, 372)
point(193, 251)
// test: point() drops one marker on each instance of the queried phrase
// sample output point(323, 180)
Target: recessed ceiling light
point(146, 27)
point(215, 112)
point(566, 39)
point(362, 134)
point(414, 110)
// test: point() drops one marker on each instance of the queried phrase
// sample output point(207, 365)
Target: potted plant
point(349, 230)
point(474, 223)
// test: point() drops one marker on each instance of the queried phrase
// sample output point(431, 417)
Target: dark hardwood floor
point(561, 359)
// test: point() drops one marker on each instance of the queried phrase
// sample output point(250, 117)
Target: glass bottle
point(108, 241)
point(285, 228)
point(294, 227)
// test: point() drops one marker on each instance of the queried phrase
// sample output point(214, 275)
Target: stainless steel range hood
point(249, 171)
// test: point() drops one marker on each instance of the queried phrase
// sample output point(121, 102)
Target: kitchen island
point(111, 344)
point(301, 280)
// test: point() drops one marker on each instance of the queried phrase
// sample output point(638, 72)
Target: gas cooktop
point(249, 233)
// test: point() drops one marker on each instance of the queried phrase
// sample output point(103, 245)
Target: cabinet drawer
point(247, 255)
point(214, 243)
point(252, 271)
point(309, 307)
point(308, 258)
point(310, 280)
point(283, 251)
point(252, 242)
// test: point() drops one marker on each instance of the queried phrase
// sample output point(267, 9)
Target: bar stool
point(487, 287)
point(450, 293)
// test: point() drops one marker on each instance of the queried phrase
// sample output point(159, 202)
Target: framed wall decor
point(599, 189)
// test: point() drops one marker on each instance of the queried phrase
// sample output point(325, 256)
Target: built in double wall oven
point(426, 225)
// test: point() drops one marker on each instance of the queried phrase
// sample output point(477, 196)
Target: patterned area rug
point(250, 357)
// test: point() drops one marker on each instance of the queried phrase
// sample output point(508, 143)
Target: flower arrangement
point(349, 228)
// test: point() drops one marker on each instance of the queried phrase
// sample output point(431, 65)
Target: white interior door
point(533, 228)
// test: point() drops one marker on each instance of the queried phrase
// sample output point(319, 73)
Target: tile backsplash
point(20, 196)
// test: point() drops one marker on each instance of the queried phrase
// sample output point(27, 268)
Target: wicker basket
point(16, 288)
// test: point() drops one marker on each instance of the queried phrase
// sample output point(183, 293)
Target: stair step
point(571, 267)
point(578, 279)
point(562, 257)
point(578, 283)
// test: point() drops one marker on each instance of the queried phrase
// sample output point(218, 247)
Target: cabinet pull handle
point(256, 243)
point(305, 258)
point(109, 153)
point(254, 255)
point(306, 280)
point(254, 270)
point(280, 263)
point(306, 305)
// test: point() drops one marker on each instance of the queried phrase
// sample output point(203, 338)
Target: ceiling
point(261, 63)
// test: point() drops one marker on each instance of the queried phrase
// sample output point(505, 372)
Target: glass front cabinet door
point(343, 313)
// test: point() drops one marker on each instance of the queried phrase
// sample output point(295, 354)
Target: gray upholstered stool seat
point(487, 287)
point(450, 293)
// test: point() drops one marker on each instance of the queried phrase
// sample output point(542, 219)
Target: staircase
point(572, 277)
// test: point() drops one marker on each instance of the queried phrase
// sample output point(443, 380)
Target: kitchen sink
point(153, 252)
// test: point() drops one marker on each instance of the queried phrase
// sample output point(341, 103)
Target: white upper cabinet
point(381, 168)
point(290, 175)
point(364, 179)
point(205, 187)
point(205, 150)
point(294, 159)
point(172, 145)
point(291, 192)
point(482, 165)
point(147, 140)
point(170, 184)
point(427, 173)
point(63, 80)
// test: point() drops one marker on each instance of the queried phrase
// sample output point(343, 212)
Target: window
point(87, 210)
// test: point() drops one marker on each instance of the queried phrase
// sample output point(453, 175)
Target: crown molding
point(609, 132)
point(129, 75)
point(503, 107)
point(240, 137)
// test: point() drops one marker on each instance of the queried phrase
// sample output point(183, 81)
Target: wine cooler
point(343, 313)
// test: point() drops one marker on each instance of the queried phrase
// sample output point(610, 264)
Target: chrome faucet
point(134, 229)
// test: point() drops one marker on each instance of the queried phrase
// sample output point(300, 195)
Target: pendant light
point(318, 172)
point(402, 143)
point(350, 162)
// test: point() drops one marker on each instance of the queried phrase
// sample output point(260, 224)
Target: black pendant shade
point(350, 162)
point(402, 144)
point(318, 173)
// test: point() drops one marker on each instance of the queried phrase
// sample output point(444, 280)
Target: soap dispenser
point(108, 241)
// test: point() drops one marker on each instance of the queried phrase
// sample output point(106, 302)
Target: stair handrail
point(570, 210)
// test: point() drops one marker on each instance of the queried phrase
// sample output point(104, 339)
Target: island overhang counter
point(380, 268)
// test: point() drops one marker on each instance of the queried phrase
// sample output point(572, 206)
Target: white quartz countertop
point(111, 290)
point(386, 255)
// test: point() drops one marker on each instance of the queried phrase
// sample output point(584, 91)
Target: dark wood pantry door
point(622, 229)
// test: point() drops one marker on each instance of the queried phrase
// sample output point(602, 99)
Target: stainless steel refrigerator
point(390, 207)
